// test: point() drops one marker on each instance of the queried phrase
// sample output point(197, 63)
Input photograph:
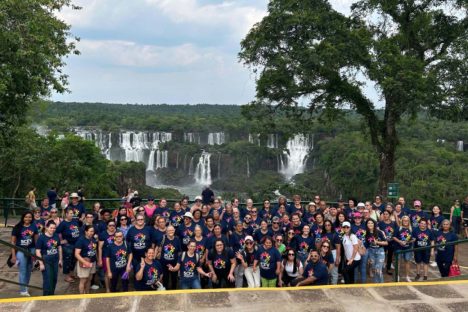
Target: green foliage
point(33, 44)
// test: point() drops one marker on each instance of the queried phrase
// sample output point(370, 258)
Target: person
point(327, 257)
point(247, 260)
point(162, 209)
point(65, 201)
point(207, 196)
point(150, 207)
point(436, 218)
point(330, 236)
point(77, 207)
point(49, 249)
point(85, 254)
point(388, 227)
point(423, 237)
point(446, 255)
point(148, 272)
point(315, 272)
point(177, 215)
point(185, 230)
point(135, 200)
point(291, 268)
point(268, 259)
point(123, 225)
point(464, 215)
point(52, 196)
point(189, 268)
point(262, 232)
point(304, 243)
point(222, 263)
point(45, 208)
point(279, 245)
point(296, 206)
point(24, 235)
point(69, 233)
point(267, 212)
point(105, 238)
point(139, 239)
point(374, 242)
point(119, 261)
point(170, 250)
point(417, 214)
point(38, 221)
point(308, 217)
point(403, 237)
point(31, 198)
point(54, 216)
point(352, 256)
point(456, 216)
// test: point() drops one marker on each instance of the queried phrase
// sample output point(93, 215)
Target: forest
point(342, 162)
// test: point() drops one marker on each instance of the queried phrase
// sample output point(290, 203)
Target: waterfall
point(185, 162)
point(150, 166)
point(192, 137)
point(216, 138)
point(219, 166)
point(177, 161)
point(190, 169)
point(296, 156)
point(203, 170)
point(248, 168)
point(109, 146)
point(272, 141)
point(460, 146)
point(254, 138)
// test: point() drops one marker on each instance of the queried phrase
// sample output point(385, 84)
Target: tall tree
point(310, 58)
point(33, 43)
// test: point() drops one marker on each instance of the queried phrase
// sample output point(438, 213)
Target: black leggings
point(444, 268)
point(116, 276)
point(170, 279)
point(348, 271)
point(389, 250)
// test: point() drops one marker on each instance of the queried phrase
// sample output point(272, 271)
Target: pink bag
point(454, 270)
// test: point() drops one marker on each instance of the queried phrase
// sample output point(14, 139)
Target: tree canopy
point(311, 58)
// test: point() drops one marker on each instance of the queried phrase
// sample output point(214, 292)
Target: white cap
point(198, 197)
point(361, 204)
point(346, 223)
point(74, 195)
point(188, 214)
point(248, 237)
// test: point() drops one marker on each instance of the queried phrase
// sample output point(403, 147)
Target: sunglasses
point(247, 243)
point(123, 219)
point(325, 246)
point(140, 219)
point(279, 240)
point(345, 227)
point(53, 212)
point(291, 254)
point(111, 225)
point(291, 233)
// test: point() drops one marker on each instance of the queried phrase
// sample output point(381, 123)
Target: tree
point(310, 58)
point(33, 43)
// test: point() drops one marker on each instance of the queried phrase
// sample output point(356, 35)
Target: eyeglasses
point(123, 219)
point(253, 211)
point(291, 233)
point(111, 225)
point(290, 254)
point(247, 243)
point(118, 236)
point(325, 246)
point(139, 219)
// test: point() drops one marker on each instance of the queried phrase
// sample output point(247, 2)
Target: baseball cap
point(188, 215)
point(346, 223)
point(198, 197)
point(248, 237)
point(361, 204)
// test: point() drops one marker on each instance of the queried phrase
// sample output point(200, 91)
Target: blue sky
point(163, 51)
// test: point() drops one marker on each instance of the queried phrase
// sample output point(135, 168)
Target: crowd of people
point(214, 243)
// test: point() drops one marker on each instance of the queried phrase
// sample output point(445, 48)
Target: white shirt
point(348, 245)
point(289, 268)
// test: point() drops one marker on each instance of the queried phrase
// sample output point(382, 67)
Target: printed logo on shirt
point(74, 230)
point(152, 276)
point(139, 241)
point(52, 247)
point(26, 237)
point(423, 239)
point(265, 259)
point(176, 220)
point(303, 247)
point(200, 250)
point(219, 264)
point(169, 252)
point(310, 273)
point(92, 249)
point(110, 239)
point(415, 220)
point(389, 230)
point(189, 270)
point(405, 235)
point(360, 233)
point(187, 234)
point(120, 258)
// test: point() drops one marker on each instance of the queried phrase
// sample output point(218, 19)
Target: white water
point(272, 141)
point(216, 138)
point(296, 156)
point(460, 146)
point(203, 170)
point(191, 137)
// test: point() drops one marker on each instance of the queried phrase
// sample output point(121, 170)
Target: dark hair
point(209, 217)
point(87, 227)
point(296, 262)
point(49, 223)
point(376, 230)
point(213, 251)
point(18, 225)
point(103, 211)
point(332, 230)
point(353, 199)
point(337, 221)
point(319, 213)
point(268, 238)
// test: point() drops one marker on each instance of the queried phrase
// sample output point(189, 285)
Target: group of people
point(217, 244)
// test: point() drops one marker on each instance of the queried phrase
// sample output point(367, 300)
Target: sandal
point(69, 280)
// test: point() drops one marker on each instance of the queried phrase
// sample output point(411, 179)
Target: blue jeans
point(49, 277)
point(25, 268)
point(362, 268)
point(190, 283)
point(377, 259)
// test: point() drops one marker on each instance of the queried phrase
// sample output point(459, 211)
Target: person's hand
point(60, 263)
point(128, 269)
point(41, 266)
point(337, 261)
point(214, 278)
point(239, 256)
point(13, 258)
point(142, 263)
point(277, 272)
point(231, 277)
point(254, 269)
point(350, 261)
point(99, 263)
point(109, 274)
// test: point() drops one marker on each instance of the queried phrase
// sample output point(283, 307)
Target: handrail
point(402, 251)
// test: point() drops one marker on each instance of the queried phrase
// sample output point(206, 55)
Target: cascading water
point(191, 137)
point(254, 138)
point(248, 168)
point(298, 149)
point(460, 146)
point(272, 141)
point(190, 169)
point(216, 138)
point(203, 170)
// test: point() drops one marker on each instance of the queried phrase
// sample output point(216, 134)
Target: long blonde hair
point(409, 223)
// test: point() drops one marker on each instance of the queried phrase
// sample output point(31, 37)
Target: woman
point(398, 214)
point(150, 208)
point(123, 226)
point(291, 268)
point(304, 243)
point(170, 250)
point(423, 238)
point(282, 201)
point(296, 206)
point(190, 269)
point(38, 221)
point(352, 256)
point(54, 216)
point(374, 242)
point(247, 261)
point(333, 240)
point(403, 237)
point(268, 259)
point(48, 248)
point(446, 255)
point(279, 244)
point(197, 217)
point(200, 250)
point(262, 232)
point(290, 242)
point(436, 219)
point(69, 233)
point(222, 263)
point(24, 235)
point(217, 234)
point(267, 212)
point(119, 259)
point(308, 217)
point(326, 256)
point(388, 227)
point(86, 254)
point(148, 272)
point(455, 216)
point(105, 238)
point(317, 228)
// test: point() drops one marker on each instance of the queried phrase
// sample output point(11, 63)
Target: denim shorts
point(406, 256)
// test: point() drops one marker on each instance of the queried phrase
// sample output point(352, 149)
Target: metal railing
point(398, 252)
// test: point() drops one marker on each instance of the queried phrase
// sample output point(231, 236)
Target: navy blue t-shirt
point(118, 256)
point(436, 222)
point(186, 233)
point(165, 212)
point(25, 235)
point(211, 241)
point(267, 262)
point(188, 267)
point(415, 216)
point(156, 236)
point(327, 259)
point(69, 230)
point(388, 228)
point(151, 274)
point(200, 248)
point(49, 246)
point(404, 234)
point(221, 262)
point(317, 270)
point(78, 210)
point(236, 241)
point(304, 244)
point(170, 251)
point(445, 253)
point(258, 235)
point(139, 240)
point(422, 238)
point(40, 225)
point(176, 218)
point(88, 248)
point(371, 241)
point(333, 238)
point(52, 195)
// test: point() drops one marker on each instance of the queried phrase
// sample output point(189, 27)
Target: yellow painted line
point(196, 291)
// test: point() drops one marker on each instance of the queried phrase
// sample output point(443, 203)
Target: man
point(186, 230)
point(207, 196)
point(417, 214)
point(315, 272)
point(331, 215)
point(52, 195)
point(77, 207)
point(197, 204)
point(45, 208)
point(404, 206)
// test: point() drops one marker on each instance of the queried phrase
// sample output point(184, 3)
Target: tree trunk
point(387, 169)
point(389, 144)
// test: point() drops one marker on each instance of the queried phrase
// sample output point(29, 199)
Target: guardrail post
point(396, 272)
point(5, 211)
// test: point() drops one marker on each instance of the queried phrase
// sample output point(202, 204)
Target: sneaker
point(433, 264)
point(425, 278)
point(94, 287)
point(389, 272)
point(25, 294)
point(408, 279)
point(417, 278)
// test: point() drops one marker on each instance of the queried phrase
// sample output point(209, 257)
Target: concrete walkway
point(403, 297)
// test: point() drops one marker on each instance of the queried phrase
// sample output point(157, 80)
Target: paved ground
point(400, 298)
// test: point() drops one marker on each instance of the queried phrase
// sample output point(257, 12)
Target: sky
point(163, 51)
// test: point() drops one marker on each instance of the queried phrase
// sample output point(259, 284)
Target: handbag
point(362, 249)
point(158, 254)
point(454, 270)
point(82, 265)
